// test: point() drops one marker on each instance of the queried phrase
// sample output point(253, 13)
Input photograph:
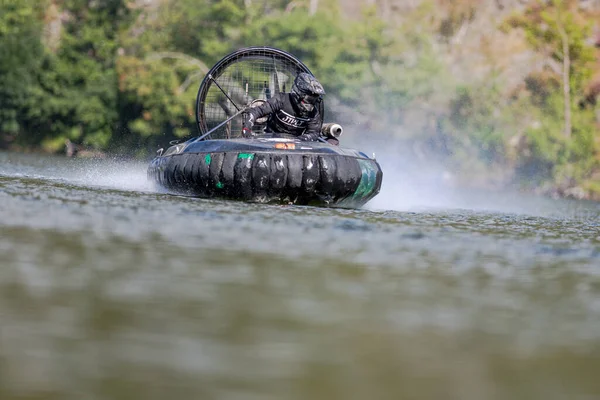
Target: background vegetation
point(503, 91)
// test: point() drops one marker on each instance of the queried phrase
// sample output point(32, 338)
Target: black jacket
point(285, 117)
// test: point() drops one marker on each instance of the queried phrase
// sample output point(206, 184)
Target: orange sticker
point(285, 146)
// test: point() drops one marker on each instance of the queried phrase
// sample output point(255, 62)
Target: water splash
point(111, 174)
point(92, 172)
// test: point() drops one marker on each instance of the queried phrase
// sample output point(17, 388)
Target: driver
point(296, 113)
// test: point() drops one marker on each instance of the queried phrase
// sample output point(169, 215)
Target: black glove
point(308, 137)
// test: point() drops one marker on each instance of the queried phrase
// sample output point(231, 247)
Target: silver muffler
point(332, 130)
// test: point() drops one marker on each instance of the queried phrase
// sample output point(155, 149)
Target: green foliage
point(584, 149)
point(163, 66)
point(547, 152)
point(20, 51)
point(550, 157)
point(548, 25)
point(311, 39)
point(476, 125)
point(73, 91)
point(16, 17)
point(201, 29)
point(156, 101)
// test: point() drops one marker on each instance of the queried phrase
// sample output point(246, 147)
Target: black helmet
point(307, 91)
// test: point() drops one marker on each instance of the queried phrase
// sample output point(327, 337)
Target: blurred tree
point(20, 54)
point(164, 62)
point(560, 30)
point(76, 94)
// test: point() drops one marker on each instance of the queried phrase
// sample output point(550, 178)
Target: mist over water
point(423, 183)
point(411, 183)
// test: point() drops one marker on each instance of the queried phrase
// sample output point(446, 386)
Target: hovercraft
point(269, 167)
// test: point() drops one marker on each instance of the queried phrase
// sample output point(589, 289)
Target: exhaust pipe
point(332, 130)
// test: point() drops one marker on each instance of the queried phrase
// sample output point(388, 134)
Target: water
point(110, 290)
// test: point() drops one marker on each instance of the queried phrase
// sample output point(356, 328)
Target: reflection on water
point(110, 290)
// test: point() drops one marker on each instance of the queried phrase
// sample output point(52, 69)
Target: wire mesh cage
point(244, 78)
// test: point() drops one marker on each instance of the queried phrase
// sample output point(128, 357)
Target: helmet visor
point(311, 98)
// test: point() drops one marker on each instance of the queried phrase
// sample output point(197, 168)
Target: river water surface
point(111, 290)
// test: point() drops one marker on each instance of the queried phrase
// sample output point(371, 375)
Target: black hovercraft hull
point(268, 170)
